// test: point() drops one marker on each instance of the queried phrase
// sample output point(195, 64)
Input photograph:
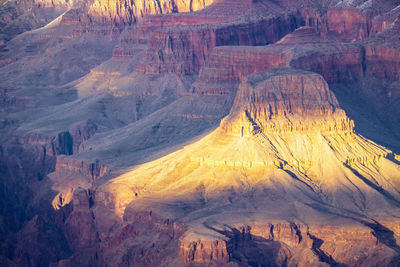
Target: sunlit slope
point(290, 158)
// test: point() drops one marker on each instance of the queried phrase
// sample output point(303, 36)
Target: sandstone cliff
point(128, 12)
point(261, 105)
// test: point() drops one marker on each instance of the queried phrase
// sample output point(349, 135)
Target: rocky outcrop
point(382, 54)
point(81, 132)
point(80, 225)
point(336, 62)
point(230, 64)
point(265, 101)
point(65, 143)
point(205, 252)
point(127, 12)
point(287, 153)
point(185, 48)
point(291, 120)
point(90, 170)
point(283, 243)
point(184, 51)
point(348, 23)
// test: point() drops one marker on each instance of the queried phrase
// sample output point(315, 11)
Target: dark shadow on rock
point(370, 121)
point(31, 230)
point(322, 256)
point(389, 197)
point(383, 234)
point(251, 250)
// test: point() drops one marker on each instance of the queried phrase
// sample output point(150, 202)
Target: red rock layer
point(184, 50)
point(336, 62)
point(351, 22)
point(204, 252)
point(382, 53)
point(233, 63)
point(348, 23)
point(291, 244)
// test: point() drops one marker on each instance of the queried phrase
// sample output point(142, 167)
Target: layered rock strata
point(127, 12)
point(302, 49)
point(284, 179)
point(184, 50)
point(285, 146)
point(261, 105)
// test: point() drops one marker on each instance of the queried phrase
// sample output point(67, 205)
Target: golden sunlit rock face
point(126, 12)
point(285, 100)
point(199, 133)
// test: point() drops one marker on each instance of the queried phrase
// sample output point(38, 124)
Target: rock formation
point(284, 123)
point(127, 12)
point(199, 133)
point(262, 105)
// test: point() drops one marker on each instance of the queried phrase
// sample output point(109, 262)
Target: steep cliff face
point(335, 61)
point(261, 102)
point(184, 50)
point(171, 50)
point(120, 13)
point(383, 53)
point(26, 233)
point(289, 244)
point(382, 60)
point(64, 143)
point(303, 49)
point(20, 16)
point(127, 12)
point(348, 23)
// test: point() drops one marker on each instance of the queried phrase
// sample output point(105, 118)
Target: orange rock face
point(126, 12)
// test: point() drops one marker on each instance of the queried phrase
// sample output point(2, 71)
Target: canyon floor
point(200, 133)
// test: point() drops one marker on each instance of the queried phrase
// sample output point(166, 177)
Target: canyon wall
point(127, 12)
point(286, 153)
point(289, 244)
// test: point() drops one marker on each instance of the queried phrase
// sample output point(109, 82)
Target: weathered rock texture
point(127, 12)
point(277, 100)
point(288, 244)
point(100, 102)
point(285, 125)
point(184, 49)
